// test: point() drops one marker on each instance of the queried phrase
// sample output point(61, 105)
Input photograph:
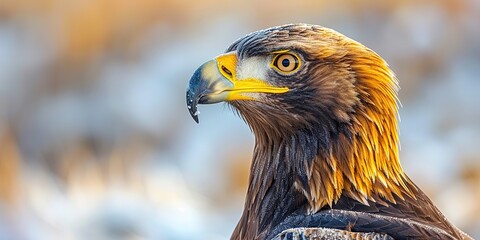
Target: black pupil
point(285, 62)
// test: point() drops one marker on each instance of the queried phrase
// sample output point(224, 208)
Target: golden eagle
point(323, 109)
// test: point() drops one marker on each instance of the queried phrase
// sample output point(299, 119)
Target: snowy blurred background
point(96, 141)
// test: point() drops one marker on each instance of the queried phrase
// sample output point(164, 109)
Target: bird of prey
point(323, 109)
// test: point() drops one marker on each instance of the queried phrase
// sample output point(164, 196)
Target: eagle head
point(316, 87)
point(294, 77)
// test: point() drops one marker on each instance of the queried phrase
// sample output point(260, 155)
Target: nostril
point(226, 71)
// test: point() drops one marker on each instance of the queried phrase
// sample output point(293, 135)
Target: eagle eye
point(286, 63)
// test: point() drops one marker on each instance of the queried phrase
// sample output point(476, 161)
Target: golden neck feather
point(365, 167)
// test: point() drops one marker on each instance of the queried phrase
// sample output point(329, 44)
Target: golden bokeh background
point(96, 141)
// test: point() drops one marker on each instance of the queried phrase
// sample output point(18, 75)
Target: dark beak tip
point(196, 119)
point(192, 102)
point(193, 113)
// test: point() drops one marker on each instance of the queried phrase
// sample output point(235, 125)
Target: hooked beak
point(215, 81)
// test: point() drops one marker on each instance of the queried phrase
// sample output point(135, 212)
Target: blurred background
point(96, 141)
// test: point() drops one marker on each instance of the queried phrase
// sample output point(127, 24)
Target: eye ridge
point(286, 63)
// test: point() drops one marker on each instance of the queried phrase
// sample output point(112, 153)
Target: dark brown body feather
point(408, 219)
